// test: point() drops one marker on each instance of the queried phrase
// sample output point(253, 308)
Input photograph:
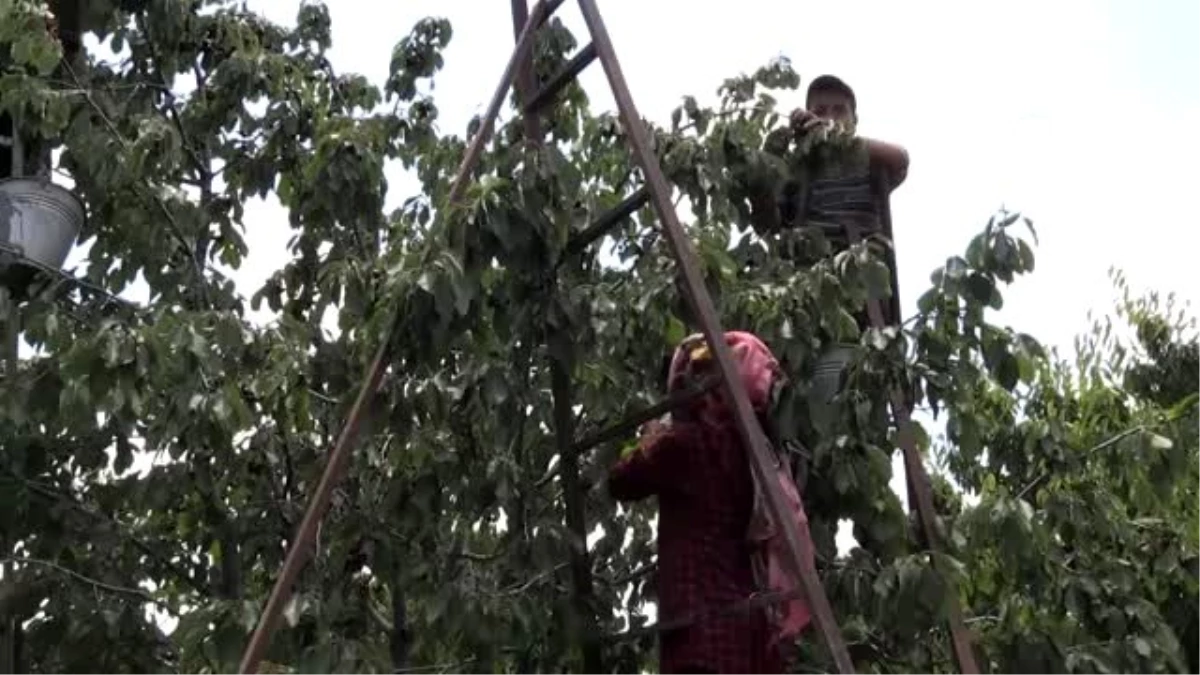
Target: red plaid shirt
point(701, 476)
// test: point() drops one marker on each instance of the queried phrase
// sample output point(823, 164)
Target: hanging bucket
point(39, 222)
point(829, 374)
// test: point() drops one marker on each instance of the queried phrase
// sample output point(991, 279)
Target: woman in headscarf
point(698, 468)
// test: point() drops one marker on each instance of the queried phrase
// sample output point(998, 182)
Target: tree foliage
point(1067, 492)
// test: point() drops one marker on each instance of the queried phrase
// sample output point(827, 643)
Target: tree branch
point(203, 170)
point(202, 166)
point(636, 419)
point(172, 223)
point(120, 590)
point(164, 563)
point(630, 423)
point(1107, 443)
point(451, 666)
point(638, 573)
point(541, 576)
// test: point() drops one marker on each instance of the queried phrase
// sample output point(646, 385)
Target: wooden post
point(10, 631)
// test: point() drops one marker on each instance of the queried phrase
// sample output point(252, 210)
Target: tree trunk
point(399, 637)
point(576, 520)
point(8, 645)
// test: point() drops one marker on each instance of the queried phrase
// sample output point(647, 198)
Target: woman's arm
point(652, 467)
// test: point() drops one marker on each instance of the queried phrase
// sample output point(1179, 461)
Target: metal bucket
point(829, 374)
point(39, 222)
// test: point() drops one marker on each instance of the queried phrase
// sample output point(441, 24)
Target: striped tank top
point(841, 191)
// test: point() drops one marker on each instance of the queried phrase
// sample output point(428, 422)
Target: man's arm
point(654, 466)
point(763, 193)
point(889, 160)
point(882, 185)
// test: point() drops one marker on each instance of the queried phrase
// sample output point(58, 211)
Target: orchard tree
point(1087, 485)
point(473, 532)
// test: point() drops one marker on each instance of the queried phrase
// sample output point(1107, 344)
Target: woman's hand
point(654, 428)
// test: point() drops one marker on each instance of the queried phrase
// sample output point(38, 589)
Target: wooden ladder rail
point(920, 491)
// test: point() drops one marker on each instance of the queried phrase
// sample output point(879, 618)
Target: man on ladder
point(844, 200)
point(849, 198)
point(857, 192)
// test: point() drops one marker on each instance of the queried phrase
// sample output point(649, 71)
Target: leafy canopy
point(460, 538)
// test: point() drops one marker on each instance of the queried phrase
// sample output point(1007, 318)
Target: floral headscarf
point(694, 361)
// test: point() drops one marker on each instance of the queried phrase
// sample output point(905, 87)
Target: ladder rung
point(561, 79)
point(608, 220)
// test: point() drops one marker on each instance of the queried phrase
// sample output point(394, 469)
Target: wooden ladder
point(657, 192)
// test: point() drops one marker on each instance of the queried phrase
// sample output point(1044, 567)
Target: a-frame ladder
point(657, 192)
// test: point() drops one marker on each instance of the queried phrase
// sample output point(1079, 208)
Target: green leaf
point(927, 303)
point(980, 287)
point(956, 268)
point(878, 279)
point(1032, 231)
point(675, 331)
point(1159, 442)
point(1008, 371)
point(1026, 256)
point(1184, 405)
point(975, 252)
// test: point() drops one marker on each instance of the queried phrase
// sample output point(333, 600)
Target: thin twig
point(521, 588)
point(322, 397)
point(981, 619)
point(1032, 484)
point(438, 667)
point(636, 574)
point(1094, 449)
point(50, 492)
point(477, 557)
point(122, 590)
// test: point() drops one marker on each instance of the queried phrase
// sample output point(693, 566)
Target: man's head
point(832, 99)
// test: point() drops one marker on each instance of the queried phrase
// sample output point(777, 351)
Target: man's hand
point(803, 121)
